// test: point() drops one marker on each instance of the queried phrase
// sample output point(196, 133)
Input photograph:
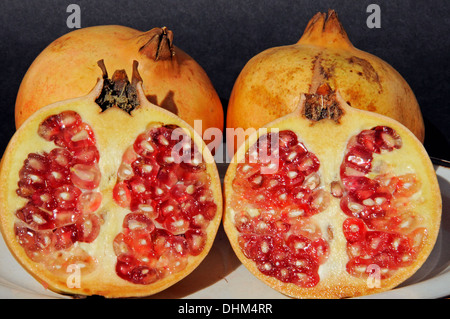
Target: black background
point(222, 35)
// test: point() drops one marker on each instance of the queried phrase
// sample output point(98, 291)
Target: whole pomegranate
point(271, 83)
point(108, 194)
point(172, 79)
point(331, 201)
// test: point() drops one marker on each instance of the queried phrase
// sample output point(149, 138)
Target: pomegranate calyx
point(318, 107)
point(160, 44)
point(325, 28)
point(118, 91)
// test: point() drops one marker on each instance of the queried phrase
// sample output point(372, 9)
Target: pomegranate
point(108, 194)
point(270, 84)
point(172, 79)
point(331, 201)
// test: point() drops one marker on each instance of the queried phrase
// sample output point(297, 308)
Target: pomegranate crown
point(159, 45)
point(325, 29)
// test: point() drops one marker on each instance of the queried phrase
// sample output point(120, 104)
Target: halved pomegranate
point(108, 194)
point(331, 201)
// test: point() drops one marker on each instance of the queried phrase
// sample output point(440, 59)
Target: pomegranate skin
point(67, 68)
point(271, 83)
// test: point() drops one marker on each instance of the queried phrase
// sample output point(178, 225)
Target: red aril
point(92, 183)
point(320, 201)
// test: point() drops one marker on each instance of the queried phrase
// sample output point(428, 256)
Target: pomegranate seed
point(196, 240)
point(66, 236)
point(359, 157)
point(76, 137)
point(122, 194)
point(88, 227)
point(60, 156)
point(125, 171)
point(418, 237)
point(336, 189)
point(86, 155)
point(85, 176)
point(354, 230)
point(36, 162)
point(287, 139)
point(167, 178)
point(138, 221)
point(68, 119)
point(89, 201)
point(129, 268)
point(49, 128)
point(35, 217)
point(176, 223)
point(67, 196)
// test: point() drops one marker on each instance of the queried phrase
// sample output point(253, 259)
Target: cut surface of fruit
point(61, 192)
point(330, 201)
point(101, 201)
point(167, 195)
point(268, 86)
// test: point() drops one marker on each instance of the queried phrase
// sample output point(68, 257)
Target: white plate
point(222, 276)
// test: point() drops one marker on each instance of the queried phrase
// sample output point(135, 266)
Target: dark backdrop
point(222, 35)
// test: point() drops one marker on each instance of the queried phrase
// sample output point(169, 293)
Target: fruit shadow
point(439, 258)
point(217, 265)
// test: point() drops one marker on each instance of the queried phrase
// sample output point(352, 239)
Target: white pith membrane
point(168, 196)
point(279, 216)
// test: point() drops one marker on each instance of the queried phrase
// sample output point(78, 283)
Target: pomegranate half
point(108, 194)
point(270, 84)
point(331, 201)
point(172, 79)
